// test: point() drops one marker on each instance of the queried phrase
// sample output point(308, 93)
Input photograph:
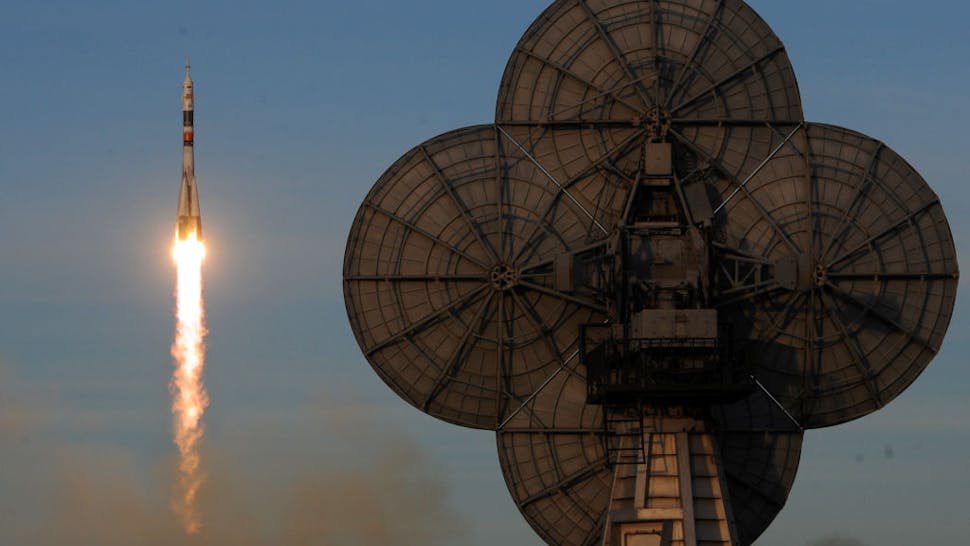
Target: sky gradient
point(300, 106)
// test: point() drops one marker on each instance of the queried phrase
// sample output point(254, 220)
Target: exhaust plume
point(189, 399)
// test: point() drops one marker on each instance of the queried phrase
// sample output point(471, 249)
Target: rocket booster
point(189, 217)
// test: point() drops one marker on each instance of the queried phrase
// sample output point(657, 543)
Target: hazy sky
point(300, 106)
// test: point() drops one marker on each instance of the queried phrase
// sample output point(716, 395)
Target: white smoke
point(378, 489)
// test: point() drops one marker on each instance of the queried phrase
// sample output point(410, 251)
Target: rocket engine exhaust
point(189, 398)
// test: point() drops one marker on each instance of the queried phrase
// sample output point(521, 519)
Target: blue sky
point(300, 106)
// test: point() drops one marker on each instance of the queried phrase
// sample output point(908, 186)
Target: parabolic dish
point(871, 282)
point(710, 74)
point(554, 458)
point(614, 61)
point(448, 277)
point(588, 76)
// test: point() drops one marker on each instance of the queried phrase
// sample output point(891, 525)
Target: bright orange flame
point(189, 398)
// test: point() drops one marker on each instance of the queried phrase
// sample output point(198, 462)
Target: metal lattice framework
point(666, 134)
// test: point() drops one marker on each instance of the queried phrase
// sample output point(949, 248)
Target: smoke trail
point(189, 398)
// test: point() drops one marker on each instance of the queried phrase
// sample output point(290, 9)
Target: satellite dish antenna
point(448, 299)
point(650, 275)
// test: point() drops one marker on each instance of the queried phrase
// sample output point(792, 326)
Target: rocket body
point(189, 217)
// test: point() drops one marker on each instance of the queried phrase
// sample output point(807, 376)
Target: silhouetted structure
point(650, 275)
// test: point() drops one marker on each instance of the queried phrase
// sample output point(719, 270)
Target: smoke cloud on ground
point(352, 484)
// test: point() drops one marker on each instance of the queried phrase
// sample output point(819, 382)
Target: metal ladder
point(623, 427)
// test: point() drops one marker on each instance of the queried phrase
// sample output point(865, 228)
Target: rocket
point(189, 217)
